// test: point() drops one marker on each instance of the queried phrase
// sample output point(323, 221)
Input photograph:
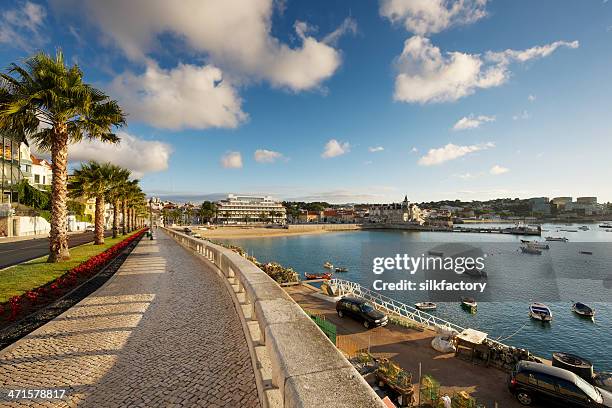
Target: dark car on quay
point(361, 311)
point(546, 386)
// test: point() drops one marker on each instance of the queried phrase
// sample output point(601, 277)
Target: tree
point(49, 102)
point(94, 180)
point(264, 216)
point(119, 178)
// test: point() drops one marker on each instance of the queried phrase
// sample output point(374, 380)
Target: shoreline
point(259, 232)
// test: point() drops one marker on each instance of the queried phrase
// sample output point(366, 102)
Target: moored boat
point(469, 304)
point(557, 239)
point(311, 276)
point(328, 265)
point(583, 310)
point(539, 311)
point(535, 244)
point(341, 269)
point(586, 252)
point(605, 225)
point(530, 250)
point(583, 228)
point(426, 305)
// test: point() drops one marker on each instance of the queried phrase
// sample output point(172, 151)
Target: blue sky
point(209, 84)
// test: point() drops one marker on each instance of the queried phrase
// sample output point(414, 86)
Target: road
point(12, 253)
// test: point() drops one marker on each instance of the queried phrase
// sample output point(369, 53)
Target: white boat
point(569, 230)
point(426, 305)
point(529, 250)
point(469, 304)
point(540, 311)
point(328, 265)
point(557, 239)
point(535, 244)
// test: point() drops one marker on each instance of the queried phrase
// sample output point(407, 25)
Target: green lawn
point(23, 277)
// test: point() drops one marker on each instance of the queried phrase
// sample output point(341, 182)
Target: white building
point(395, 213)
point(238, 209)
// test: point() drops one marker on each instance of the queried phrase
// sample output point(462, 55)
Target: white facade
point(397, 213)
point(237, 209)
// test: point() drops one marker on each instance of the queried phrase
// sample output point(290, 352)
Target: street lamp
point(151, 218)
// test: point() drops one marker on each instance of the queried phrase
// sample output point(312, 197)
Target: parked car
point(89, 228)
point(187, 230)
point(362, 311)
point(533, 383)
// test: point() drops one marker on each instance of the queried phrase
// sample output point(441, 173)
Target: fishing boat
point(540, 311)
point(426, 305)
point(341, 269)
point(583, 310)
point(535, 244)
point(557, 239)
point(328, 265)
point(469, 304)
point(311, 276)
point(529, 250)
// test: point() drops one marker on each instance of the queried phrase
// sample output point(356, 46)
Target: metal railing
point(343, 287)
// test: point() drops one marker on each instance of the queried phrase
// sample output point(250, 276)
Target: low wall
point(31, 226)
point(325, 227)
point(295, 363)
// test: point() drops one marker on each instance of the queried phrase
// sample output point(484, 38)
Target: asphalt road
point(12, 253)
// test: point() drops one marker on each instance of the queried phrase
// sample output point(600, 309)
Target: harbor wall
point(295, 364)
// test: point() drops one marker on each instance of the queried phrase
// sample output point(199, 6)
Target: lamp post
point(151, 218)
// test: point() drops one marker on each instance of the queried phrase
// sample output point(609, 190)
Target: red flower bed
point(63, 284)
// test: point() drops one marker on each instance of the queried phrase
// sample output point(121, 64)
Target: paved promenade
point(162, 332)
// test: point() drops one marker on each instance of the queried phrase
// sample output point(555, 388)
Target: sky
point(342, 101)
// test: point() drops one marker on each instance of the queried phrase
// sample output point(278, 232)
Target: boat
point(435, 253)
point(606, 225)
point(328, 265)
point(469, 304)
point(583, 228)
point(569, 230)
point(522, 229)
point(586, 252)
point(311, 276)
point(540, 311)
point(535, 244)
point(529, 250)
point(583, 310)
point(426, 305)
point(609, 230)
point(557, 239)
point(341, 269)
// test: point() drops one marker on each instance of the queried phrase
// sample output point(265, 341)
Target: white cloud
point(187, 96)
point(531, 98)
point(451, 152)
point(232, 160)
point(497, 170)
point(266, 156)
point(524, 115)
point(466, 176)
point(472, 122)
point(138, 155)
point(414, 150)
point(432, 16)
point(234, 35)
point(376, 149)
point(20, 27)
point(425, 75)
point(334, 148)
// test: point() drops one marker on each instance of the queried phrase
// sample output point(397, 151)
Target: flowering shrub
point(62, 284)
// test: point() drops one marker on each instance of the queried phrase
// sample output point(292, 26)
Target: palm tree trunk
point(58, 236)
point(133, 218)
point(99, 223)
point(124, 217)
point(115, 220)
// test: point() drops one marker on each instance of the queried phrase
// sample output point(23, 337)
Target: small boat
point(311, 276)
point(586, 252)
point(606, 225)
point(540, 311)
point(328, 265)
point(469, 304)
point(426, 305)
point(557, 239)
point(583, 228)
point(583, 310)
point(341, 269)
point(535, 244)
point(435, 253)
point(569, 230)
point(529, 250)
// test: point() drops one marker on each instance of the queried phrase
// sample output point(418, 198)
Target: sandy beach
point(259, 232)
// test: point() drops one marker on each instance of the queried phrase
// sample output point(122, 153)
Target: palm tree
point(50, 103)
point(94, 180)
point(119, 179)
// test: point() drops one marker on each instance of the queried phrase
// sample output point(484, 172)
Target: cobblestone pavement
point(162, 332)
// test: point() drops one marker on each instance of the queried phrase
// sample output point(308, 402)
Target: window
point(546, 382)
point(36, 179)
point(571, 390)
point(354, 307)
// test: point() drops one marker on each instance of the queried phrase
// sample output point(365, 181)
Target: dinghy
point(583, 310)
point(540, 311)
point(426, 305)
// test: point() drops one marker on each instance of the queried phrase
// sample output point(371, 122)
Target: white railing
point(343, 287)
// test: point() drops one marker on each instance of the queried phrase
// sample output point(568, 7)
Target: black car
point(552, 386)
point(361, 310)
